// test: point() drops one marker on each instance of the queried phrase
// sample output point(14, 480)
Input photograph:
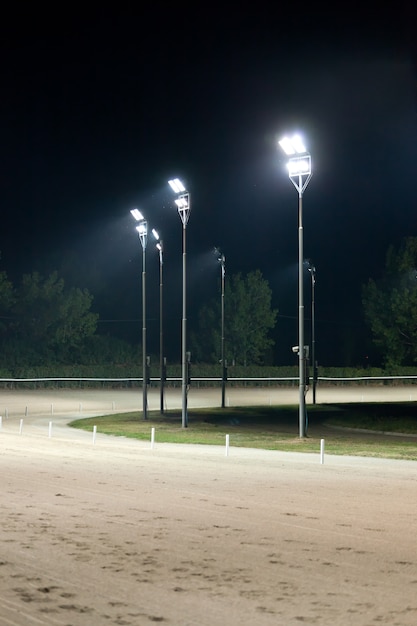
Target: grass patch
point(276, 428)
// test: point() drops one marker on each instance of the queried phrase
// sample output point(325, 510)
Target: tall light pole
point(160, 248)
point(312, 271)
point(222, 260)
point(299, 170)
point(184, 206)
point(142, 229)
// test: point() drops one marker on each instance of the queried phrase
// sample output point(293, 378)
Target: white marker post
point(321, 451)
point(152, 438)
point(50, 430)
point(94, 434)
point(227, 445)
point(21, 426)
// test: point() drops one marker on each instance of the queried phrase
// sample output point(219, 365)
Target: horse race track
point(114, 532)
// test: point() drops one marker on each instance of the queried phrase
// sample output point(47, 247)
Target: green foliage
point(106, 350)
point(390, 306)
point(248, 320)
point(251, 318)
point(44, 322)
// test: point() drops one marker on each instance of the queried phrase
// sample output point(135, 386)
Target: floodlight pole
point(312, 271)
point(299, 168)
point(144, 368)
point(160, 248)
point(222, 260)
point(142, 230)
point(184, 417)
point(301, 349)
point(161, 327)
point(183, 203)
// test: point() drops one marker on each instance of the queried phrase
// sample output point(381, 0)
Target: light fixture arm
point(143, 233)
point(183, 203)
point(299, 169)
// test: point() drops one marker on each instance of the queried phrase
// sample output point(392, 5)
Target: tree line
point(44, 322)
point(390, 305)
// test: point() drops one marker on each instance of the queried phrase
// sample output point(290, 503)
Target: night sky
point(99, 110)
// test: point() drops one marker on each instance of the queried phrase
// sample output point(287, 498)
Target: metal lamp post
point(184, 206)
point(222, 260)
point(312, 271)
point(160, 248)
point(142, 229)
point(299, 170)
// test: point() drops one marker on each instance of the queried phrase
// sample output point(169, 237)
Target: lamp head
point(176, 185)
point(293, 145)
point(182, 202)
point(299, 166)
point(137, 215)
point(142, 228)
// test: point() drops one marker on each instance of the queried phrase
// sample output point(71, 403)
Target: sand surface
point(118, 532)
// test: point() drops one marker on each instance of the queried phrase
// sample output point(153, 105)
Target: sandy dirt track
point(119, 533)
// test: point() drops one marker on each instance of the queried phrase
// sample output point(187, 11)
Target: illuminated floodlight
point(137, 215)
point(176, 185)
point(293, 145)
point(298, 144)
point(299, 166)
point(287, 146)
point(142, 228)
point(159, 247)
point(182, 202)
point(155, 234)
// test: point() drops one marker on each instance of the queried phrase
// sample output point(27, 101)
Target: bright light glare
point(159, 247)
point(176, 185)
point(137, 215)
point(155, 234)
point(142, 228)
point(182, 203)
point(298, 144)
point(299, 166)
point(293, 145)
point(286, 145)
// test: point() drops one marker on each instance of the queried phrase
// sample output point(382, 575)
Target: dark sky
point(99, 109)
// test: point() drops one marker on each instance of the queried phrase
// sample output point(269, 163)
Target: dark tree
point(390, 305)
point(248, 320)
point(49, 322)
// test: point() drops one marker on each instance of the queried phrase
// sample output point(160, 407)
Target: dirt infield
point(114, 532)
